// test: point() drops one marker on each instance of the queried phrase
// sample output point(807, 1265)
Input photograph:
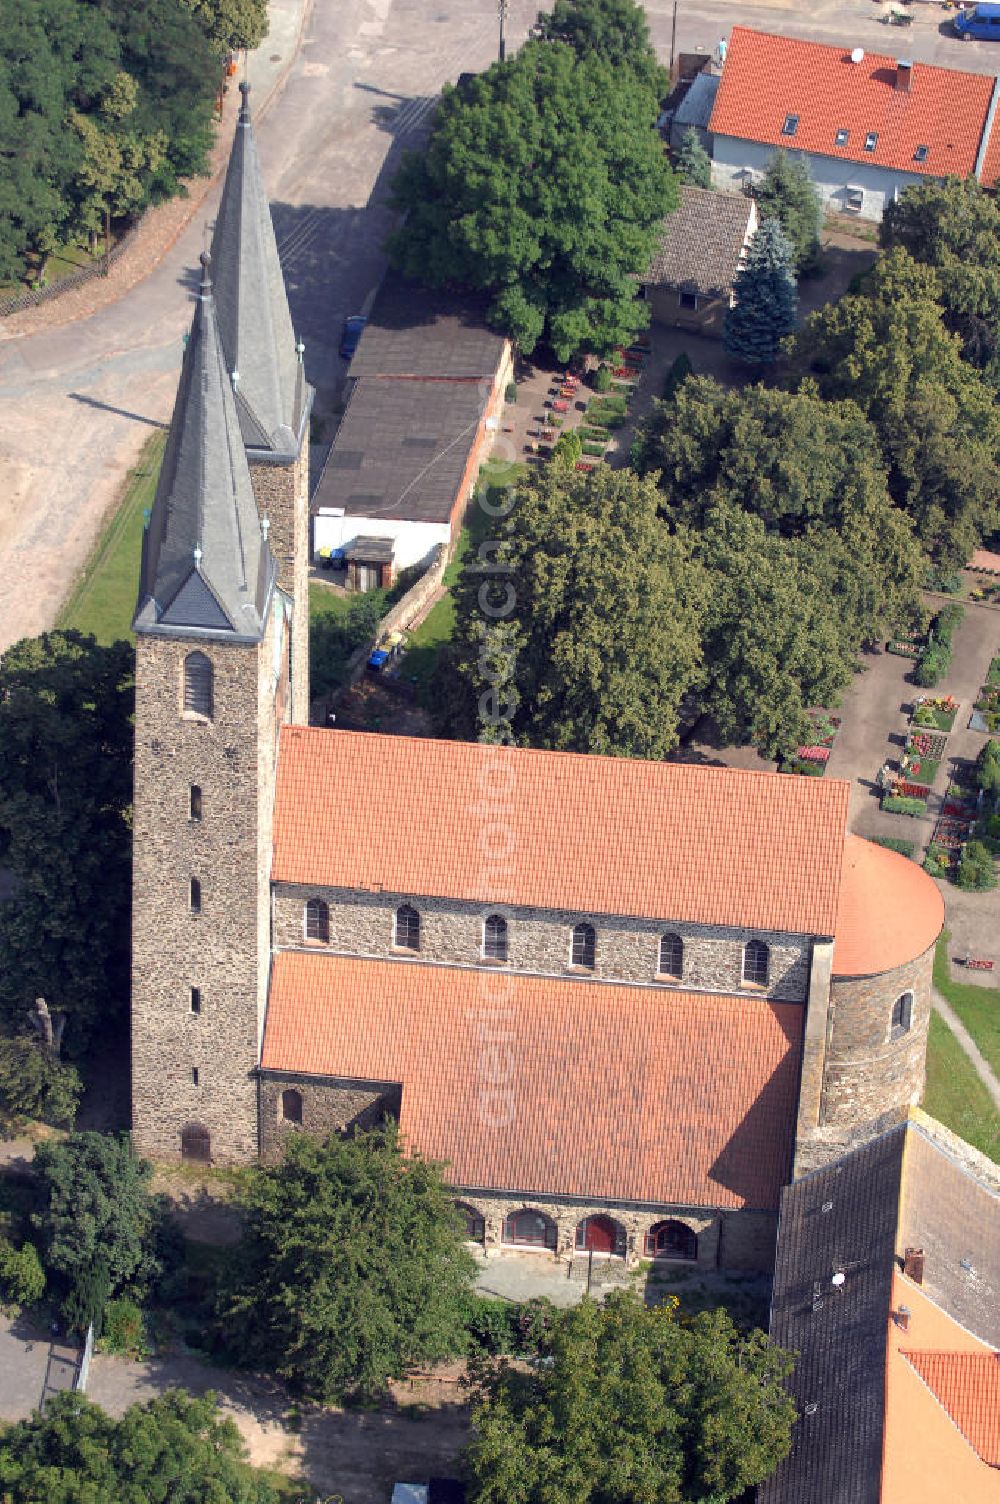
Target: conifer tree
point(789, 195)
point(693, 162)
point(766, 299)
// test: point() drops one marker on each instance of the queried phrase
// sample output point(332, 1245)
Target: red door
point(600, 1235)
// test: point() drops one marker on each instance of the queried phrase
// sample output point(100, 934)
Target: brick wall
point(224, 950)
point(328, 1106)
point(282, 493)
point(539, 940)
point(867, 1072)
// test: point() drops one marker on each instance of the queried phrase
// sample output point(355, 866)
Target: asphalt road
point(76, 402)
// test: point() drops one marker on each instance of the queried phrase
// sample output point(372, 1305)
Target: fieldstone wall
point(868, 1073)
point(224, 950)
point(539, 940)
point(328, 1106)
point(282, 493)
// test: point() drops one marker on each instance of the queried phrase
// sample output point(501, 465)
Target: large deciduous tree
point(543, 186)
point(633, 1406)
point(888, 348)
point(766, 305)
point(175, 1447)
point(614, 30)
point(65, 813)
point(352, 1267)
point(231, 25)
point(595, 608)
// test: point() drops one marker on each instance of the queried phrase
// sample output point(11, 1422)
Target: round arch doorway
point(600, 1235)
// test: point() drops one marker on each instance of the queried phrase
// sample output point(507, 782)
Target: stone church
point(625, 1002)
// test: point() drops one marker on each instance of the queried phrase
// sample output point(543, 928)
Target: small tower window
point(755, 963)
point(583, 951)
point(195, 999)
point(407, 927)
point(198, 685)
point(790, 126)
point(194, 1075)
point(195, 897)
point(318, 921)
point(291, 1106)
point(194, 806)
point(495, 938)
point(671, 956)
point(902, 1016)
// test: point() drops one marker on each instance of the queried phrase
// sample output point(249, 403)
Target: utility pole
point(502, 12)
point(673, 42)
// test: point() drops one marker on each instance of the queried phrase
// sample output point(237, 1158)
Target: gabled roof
point(608, 1091)
point(968, 1386)
point(598, 835)
point(702, 241)
point(254, 321)
point(205, 564)
point(767, 79)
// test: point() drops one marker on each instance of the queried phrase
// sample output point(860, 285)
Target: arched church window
point(495, 938)
point(756, 959)
point(671, 956)
point(902, 1016)
point(318, 921)
point(583, 951)
point(198, 685)
point(291, 1106)
point(407, 927)
point(195, 896)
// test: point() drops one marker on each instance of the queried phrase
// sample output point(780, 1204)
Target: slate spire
point(206, 564)
point(254, 321)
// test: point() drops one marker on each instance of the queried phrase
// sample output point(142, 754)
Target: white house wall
point(734, 162)
point(415, 542)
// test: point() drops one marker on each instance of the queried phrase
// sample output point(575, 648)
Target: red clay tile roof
point(890, 911)
point(767, 78)
point(617, 1093)
point(600, 835)
point(968, 1387)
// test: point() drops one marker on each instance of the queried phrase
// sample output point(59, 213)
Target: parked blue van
point(979, 22)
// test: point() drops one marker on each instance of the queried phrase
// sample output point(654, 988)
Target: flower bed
point(939, 861)
point(901, 804)
point(951, 834)
point(993, 676)
point(920, 769)
point(926, 744)
point(803, 767)
point(938, 712)
point(904, 649)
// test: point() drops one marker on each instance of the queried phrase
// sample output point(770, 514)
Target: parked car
point(979, 22)
point(351, 333)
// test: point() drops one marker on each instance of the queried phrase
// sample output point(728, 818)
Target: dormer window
point(871, 140)
point(790, 126)
point(842, 137)
point(920, 155)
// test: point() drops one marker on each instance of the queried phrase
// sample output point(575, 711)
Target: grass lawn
point(324, 602)
point(955, 1095)
point(103, 599)
point(977, 1007)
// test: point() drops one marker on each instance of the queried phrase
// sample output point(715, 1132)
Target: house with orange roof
point(887, 1287)
point(624, 1003)
point(867, 125)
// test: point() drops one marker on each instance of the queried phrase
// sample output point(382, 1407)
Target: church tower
point(212, 675)
point(273, 398)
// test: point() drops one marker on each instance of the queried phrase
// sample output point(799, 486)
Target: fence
point(83, 1372)
point(33, 297)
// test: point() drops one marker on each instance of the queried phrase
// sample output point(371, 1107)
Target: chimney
point(913, 1264)
point(904, 70)
point(902, 1318)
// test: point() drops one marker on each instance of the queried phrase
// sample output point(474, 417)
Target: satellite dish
point(839, 1278)
point(858, 55)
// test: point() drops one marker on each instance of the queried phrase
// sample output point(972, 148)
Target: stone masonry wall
point(868, 1073)
point(282, 493)
point(328, 1106)
point(539, 940)
point(223, 950)
point(726, 1239)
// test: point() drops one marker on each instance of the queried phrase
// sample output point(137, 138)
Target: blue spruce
point(766, 298)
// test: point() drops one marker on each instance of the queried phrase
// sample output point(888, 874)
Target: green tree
point(766, 304)
point(788, 194)
point(567, 449)
point(65, 810)
point(988, 766)
point(174, 1447)
point(693, 162)
point(96, 1213)
point(634, 1407)
point(601, 608)
point(614, 30)
point(352, 1267)
point(954, 226)
point(231, 25)
point(977, 869)
point(888, 349)
point(36, 1084)
point(543, 186)
point(22, 1278)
